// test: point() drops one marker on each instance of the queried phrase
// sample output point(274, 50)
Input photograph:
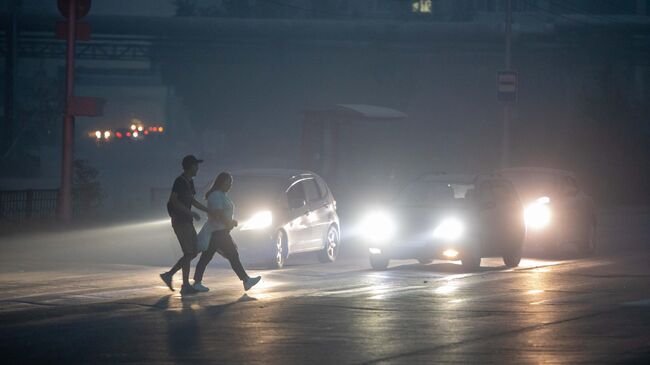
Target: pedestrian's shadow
point(162, 303)
point(183, 329)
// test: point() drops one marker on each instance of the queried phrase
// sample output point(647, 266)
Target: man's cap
point(190, 160)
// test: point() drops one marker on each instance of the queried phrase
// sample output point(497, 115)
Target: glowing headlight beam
point(450, 253)
point(449, 229)
point(538, 214)
point(260, 220)
point(378, 227)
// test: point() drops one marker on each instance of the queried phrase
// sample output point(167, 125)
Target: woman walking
point(217, 231)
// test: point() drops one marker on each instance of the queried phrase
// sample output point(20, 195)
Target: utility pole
point(65, 194)
point(507, 106)
point(11, 33)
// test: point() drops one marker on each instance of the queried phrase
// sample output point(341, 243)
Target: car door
point(318, 215)
point(297, 226)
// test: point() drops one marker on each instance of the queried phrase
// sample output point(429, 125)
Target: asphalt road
point(553, 310)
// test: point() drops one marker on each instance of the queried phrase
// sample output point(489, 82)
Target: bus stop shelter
point(321, 133)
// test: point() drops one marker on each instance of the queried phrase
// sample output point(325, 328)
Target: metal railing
point(20, 205)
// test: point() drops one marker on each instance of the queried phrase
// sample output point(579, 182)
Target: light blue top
point(219, 200)
point(216, 200)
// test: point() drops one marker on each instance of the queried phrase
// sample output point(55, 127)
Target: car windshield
point(433, 193)
point(250, 193)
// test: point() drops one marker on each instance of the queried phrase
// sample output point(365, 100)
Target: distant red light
point(118, 134)
point(146, 132)
point(128, 134)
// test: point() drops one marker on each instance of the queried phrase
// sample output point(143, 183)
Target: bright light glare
point(140, 129)
point(133, 127)
point(449, 229)
point(378, 226)
point(538, 215)
point(135, 134)
point(259, 220)
point(375, 251)
point(107, 134)
point(451, 253)
point(446, 289)
point(535, 291)
point(98, 134)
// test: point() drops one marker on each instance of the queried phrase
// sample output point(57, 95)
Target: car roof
point(449, 178)
point(281, 173)
point(531, 169)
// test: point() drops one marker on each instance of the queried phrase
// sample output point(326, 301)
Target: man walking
point(179, 208)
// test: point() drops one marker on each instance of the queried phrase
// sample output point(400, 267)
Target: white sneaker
point(200, 288)
point(250, 282)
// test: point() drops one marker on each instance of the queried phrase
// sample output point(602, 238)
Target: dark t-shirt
point(184, 189)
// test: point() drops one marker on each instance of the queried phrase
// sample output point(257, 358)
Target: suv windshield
point(433, 193)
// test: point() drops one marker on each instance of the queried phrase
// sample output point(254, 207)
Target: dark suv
point(558, 213)
point(450, 217)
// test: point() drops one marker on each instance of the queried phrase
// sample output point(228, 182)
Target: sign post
point(72, 10)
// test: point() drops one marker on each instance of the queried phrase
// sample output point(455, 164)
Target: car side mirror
point(297, 203)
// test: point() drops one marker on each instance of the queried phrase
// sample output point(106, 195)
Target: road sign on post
point(82, 7)
point(507, 86)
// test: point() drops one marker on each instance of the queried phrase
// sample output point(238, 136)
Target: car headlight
point(378, 227)
point(537, 215)
point(259, 220)
point(450, 229)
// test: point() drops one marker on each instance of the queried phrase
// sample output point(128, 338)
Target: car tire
point(379, 262)
point(588, 246)
point(330, 252)
point(425, 261)
point(280, 251)
point(512, 259)
point(471, 261)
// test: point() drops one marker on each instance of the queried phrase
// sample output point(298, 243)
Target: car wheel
point(588, 245)
point(379, 262)
point(512, 259)
point(425, 261)
point(279, 250)
point(471, 261)
point(331, 250)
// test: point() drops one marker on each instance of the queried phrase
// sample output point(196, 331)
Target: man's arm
point(196, 204)
point(176, 203)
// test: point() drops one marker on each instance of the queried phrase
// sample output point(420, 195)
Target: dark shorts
point(186, 235)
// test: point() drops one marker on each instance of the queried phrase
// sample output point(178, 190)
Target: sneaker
point(250, 282)
point(188, 289)
point(200, 287)
point(167, 279)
